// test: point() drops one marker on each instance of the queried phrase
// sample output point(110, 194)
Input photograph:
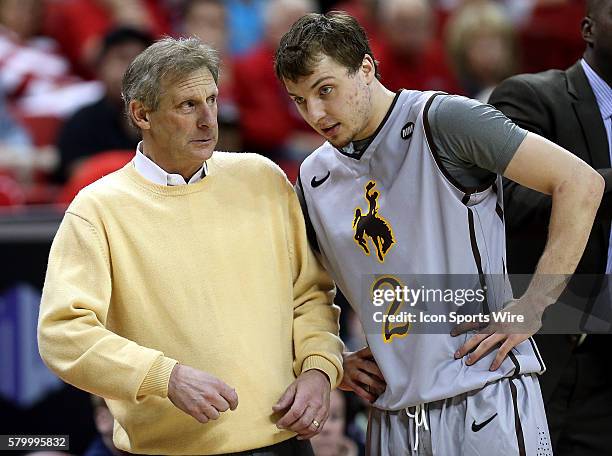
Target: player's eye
point(212, 99)
point(187, 104)
point(298, 100)
point(326, 90)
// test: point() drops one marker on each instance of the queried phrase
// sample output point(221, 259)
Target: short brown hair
point(335, 34)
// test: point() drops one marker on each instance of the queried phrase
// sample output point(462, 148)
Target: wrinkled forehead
point(198, 81)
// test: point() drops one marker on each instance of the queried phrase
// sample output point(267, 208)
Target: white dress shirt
point(152, 172)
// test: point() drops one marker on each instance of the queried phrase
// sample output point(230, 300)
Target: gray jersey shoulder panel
point(474, 140)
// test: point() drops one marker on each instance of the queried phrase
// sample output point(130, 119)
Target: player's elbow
point(586, 185)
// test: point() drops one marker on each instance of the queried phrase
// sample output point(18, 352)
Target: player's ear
point(139, 114)
point(368, 68)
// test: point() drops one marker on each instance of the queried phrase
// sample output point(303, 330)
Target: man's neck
point(382, 99)
point(602, 67)
point(170, 168)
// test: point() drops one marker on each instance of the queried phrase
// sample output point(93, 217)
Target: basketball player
point(408, 183)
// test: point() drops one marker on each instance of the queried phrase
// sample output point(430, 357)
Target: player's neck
point(382, 99)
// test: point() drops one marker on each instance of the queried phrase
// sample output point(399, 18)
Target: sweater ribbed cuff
point(156, 381)
point(324, 365)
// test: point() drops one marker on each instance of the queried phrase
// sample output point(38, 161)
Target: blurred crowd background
point(62, 127)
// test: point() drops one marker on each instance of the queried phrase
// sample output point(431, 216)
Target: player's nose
point(316, 112)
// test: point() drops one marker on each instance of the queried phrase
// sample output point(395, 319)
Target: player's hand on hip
point(362, 375)
point(305, 404)
point(523, 320)
point(199, 394)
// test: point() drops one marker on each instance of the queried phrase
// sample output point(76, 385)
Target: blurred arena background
point(62, 127)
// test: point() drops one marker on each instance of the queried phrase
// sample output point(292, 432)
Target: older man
point(183, 284)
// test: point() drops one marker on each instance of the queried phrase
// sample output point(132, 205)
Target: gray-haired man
point(183, 283)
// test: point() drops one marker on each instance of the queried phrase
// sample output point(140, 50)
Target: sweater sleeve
point(315, 317)
point(72, 337)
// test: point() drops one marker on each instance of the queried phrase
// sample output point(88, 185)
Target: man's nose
point(316, 111)
point(207, 116)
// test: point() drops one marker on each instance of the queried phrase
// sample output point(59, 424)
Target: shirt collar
point(601, 89)
point(151, 171)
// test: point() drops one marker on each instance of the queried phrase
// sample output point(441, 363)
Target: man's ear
point(139, 114)
point(587, 27)
point(368, 68)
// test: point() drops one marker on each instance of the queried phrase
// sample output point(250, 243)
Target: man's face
point(183, 131)
point(336, 104)
point(602, 28)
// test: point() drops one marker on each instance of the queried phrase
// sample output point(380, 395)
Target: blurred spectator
point(550, 38)
point(11, 134)
point(207, 19)
point(15, 149)
point(102, 125)
point(547, 29)
point(516, 11)
point(269, 121)
point(79, 26)
point(482, 44)
point(246, 24)
point(32, 74)
point(410, 56)
point(332, 440)
point(103, 444)
point(366, 12)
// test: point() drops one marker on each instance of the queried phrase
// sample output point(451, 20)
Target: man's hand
point(362, 375)
point(509, 335)
point(199, 394)
point(306, 403)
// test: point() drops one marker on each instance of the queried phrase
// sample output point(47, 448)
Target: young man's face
point(336, 104)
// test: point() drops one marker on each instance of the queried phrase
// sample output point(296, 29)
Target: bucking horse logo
point(373, 226)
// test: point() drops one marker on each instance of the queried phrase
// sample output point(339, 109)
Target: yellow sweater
point(216, 275)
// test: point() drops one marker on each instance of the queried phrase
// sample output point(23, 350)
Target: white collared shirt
point(151, 171)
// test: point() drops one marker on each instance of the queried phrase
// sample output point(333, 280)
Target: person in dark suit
point(572, 108)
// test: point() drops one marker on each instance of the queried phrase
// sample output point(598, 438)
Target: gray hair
point(166, 59)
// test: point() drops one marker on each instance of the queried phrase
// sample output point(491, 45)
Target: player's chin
point(339, 141)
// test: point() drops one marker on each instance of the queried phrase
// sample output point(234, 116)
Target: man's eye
point(298, 100)
point(212, 99)
point(326, 90)
point(188, 104)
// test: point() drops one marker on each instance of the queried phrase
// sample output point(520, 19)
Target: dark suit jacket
point(560, 106)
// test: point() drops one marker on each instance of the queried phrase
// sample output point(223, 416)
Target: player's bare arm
point(576, 191)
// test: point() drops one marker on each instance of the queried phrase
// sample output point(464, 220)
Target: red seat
point(291, 169)
point(93, 169)
point(11, 193)
point(42, 129)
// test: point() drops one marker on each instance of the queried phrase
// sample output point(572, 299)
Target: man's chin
point(204, 151)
